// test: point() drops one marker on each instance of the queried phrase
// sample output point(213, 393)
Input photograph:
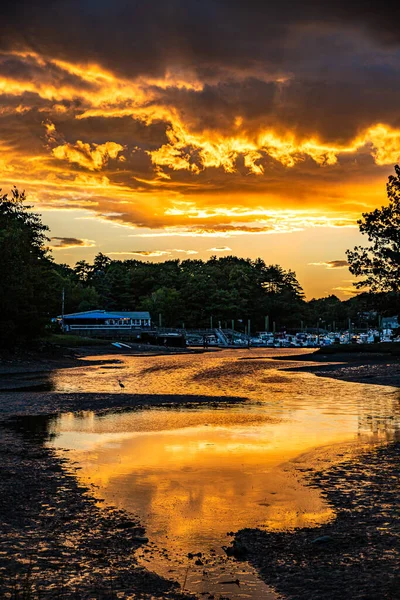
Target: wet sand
point(56, 541)
point(52, 357)
point(357, 555)
point(378, 369)
point(90, 549)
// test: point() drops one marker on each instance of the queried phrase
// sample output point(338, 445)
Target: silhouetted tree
point(194, 290)
point(329, 309)
point(25, 271)
point(379, 263)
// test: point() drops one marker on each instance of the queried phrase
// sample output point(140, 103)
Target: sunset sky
point(188, 128)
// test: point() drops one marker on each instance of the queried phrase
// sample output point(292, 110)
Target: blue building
point(106, 320)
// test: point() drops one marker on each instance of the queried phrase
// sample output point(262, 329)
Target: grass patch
point(67, 340)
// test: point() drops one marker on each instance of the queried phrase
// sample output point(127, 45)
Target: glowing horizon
point(174, 148)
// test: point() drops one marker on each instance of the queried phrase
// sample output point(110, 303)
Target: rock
point(323, 539)
point(237, 550)
point(126, 525)
point(194, 554)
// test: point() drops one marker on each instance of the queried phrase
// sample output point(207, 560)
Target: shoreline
point(43, 509)
point(56, 542)
point(371, 368)
point(55, 357)
point(356, 552)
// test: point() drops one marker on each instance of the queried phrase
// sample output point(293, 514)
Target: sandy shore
point(50, 356)
point(354, 557)
point(357, 556)
point(378, 369)
point(56, 542)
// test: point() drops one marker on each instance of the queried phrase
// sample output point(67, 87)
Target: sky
point(190, 128)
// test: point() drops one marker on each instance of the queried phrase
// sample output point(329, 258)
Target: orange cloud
point(385, 143)
point(93, 157)
point(155, 253)
point(148, 253)
point(196, 152)
point(167, 171)
point(347, 290)
point(192, 140)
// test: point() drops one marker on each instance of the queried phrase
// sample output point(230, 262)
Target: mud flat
point(372, 368)
point(56, 541)
point(354, 557)
point(49, 357)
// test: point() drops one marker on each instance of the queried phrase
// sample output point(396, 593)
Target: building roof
point(103, 314)
point(133, 315)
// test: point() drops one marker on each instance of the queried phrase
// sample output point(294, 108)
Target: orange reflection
point(199, 481)
point(192, 475)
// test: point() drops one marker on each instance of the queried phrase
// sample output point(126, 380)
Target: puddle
point(193, 476)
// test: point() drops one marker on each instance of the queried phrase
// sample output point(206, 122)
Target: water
point(193, 474)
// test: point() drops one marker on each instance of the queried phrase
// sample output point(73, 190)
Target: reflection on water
point(192, 475)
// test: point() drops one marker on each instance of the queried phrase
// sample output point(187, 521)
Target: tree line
point(188, 292)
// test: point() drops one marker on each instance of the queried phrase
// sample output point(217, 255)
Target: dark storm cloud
point(30, 69)
point(22, 131)
point(337, 264)
point(216, 106)
point(336, 106)
point(146, 37)
point(148, 110)
point(311, 67)
point(128, 131)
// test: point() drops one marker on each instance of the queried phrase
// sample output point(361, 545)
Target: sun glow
point(143, 152)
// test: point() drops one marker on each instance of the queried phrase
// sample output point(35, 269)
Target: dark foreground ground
point(358, 367)
point(357, 556)
point(57, 543)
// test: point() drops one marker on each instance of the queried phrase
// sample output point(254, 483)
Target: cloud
point(92, 157)
point(146, 253)
point(220, 249)
point(347, 290)
point(156, 253)
point(58, 243)
point(291, 132)
point(331, 264)
point(136, 39)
